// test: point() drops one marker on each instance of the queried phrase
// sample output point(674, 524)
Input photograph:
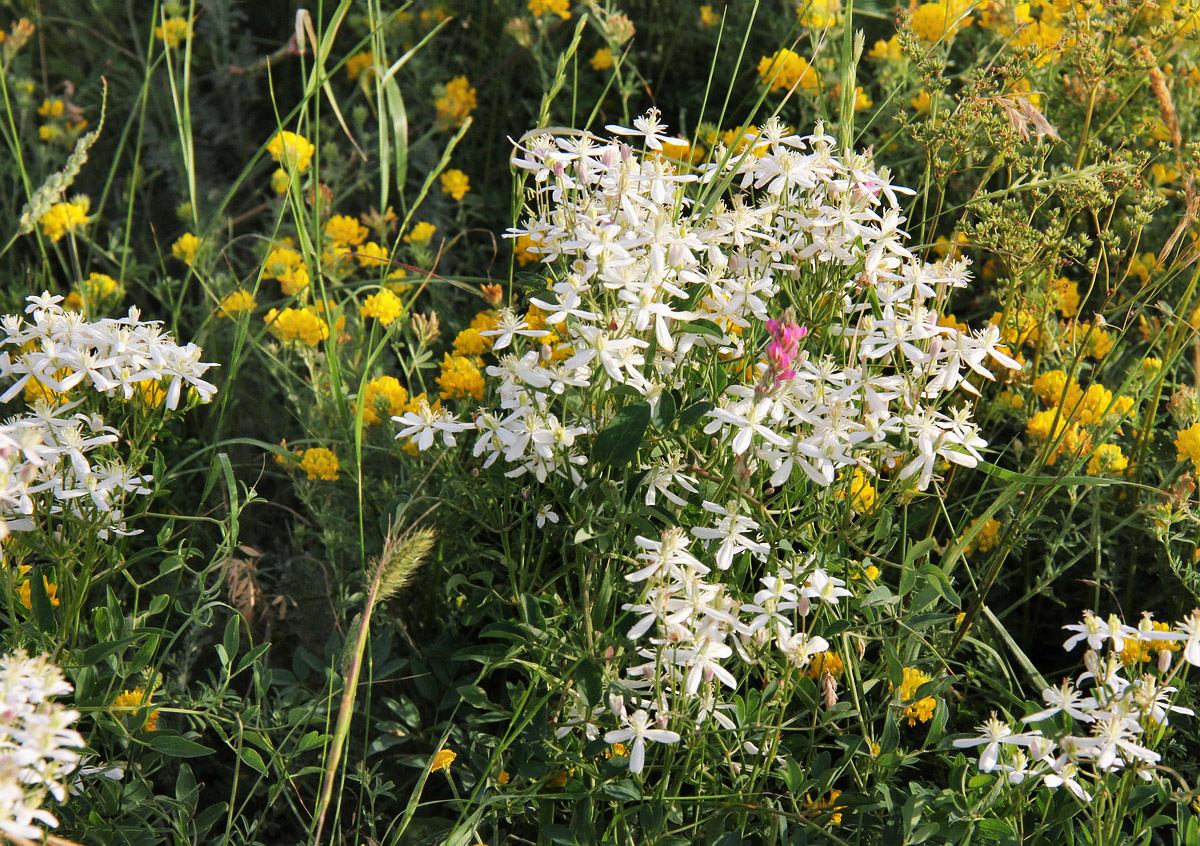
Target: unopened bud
point(427, 328)
point(493, 295)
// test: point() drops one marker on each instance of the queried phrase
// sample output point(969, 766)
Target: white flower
point(992, 734)
point(820, 585)
point(544, 514)
point(638, 729)
point(650, 130)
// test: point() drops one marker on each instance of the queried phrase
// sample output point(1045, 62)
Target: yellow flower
point(537, 8)
point(1065, 295)
point(455, 183)
point(280, 181)
point(51, 108)
point(1050, 386)
point(785, 69)
point(421, 233)
point(292, 151)
point(819, 14)
point(602, 59)
point(25, 591)
point(134, 700)
point(988, 537)
point(456, 104)
point(384, 394)
point(921, 102)
point(320, 463)
point(1107, 460)
point(862, 100)
point(173, 31)
point(297, 324)
point(1188, 445)
point(862, 492)
point(62, 218)
point(442, 760)
point(360, 63)
point(383, 305)
point(151, 393)
point(932, 21)
point(343, 229)
point(708, 18)
point(470, 342)
point(825, 662)
point(48, 132)
point(504, 777)
point(371, 254)
point(559, 779)
point(889, 49)
point(921, 710)
point(460, 378)
point(293, 281)
point(825, 806)
point(236, 302)
point(523, 251)
point(185, 247)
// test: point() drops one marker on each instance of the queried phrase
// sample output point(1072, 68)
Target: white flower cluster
point(657, 288)
point(45, 466)
point(37, 744)
point(693, 629)
point(1113, 708)
point(61, 349)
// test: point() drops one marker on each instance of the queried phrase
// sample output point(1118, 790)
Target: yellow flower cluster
point(862, 493)
point(421, 233)
point(371, 254)
point(236, 302)
point(602, 59)
point(456, 104)
point(97, 288)
point(1073, 408)
point(174, 31)
point(562, 8)
point(1107, 460)
point(460, 378)
point(383, 305)
point(320, 463)
point(345, 230)
point(62, 218)
point(921, 710)
point(297, 324)
point(523, 251)
point(185, 248)
point(825, 662)
point(25, 590)
point(135, 700)
point(828, 805)
point(1142, 649)
point(988, 537)
point(934, 21)
point(286, 265)
point(1188, 445)
point(442, 760)
point(383, 395)
point(360, 63)
point(819, 14)
point(786, 69)
point(293, 151)
point(455, 183)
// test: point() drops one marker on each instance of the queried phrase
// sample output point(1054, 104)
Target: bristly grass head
point(401, 556)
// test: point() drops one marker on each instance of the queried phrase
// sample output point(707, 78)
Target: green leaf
point(252, 759)
point(665, 411)
point(617, 443)
point(176, 746)
point(558, 834)
point(701, 327)
point(622, 791)
point(692, 415)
